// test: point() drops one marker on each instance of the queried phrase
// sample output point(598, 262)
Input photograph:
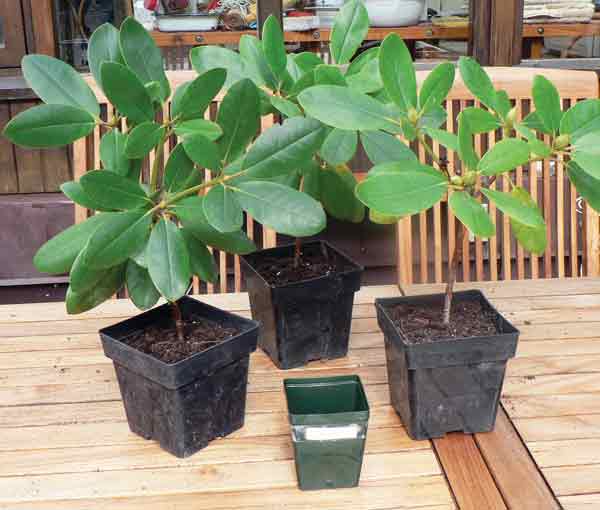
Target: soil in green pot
point(424, 324)
point(161, 340)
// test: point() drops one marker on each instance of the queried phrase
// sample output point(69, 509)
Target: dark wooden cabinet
point(13, 40)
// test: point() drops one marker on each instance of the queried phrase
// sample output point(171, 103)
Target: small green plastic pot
point(329, 419)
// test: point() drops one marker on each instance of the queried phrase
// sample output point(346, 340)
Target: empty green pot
point(329, 418)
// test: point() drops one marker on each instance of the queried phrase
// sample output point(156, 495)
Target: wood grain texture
point(58, 392)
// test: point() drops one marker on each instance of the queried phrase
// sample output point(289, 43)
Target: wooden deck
point(65, 444)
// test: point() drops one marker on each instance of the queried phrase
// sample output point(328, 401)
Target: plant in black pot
point(303, 293)
point(447, 353)
point(182, 367)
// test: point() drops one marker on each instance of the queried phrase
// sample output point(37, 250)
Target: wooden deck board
point(65, 443)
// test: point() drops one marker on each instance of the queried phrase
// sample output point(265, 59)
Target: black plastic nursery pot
point(329, 419)
point(187, 404)
point(451, 385)
point(307, 320)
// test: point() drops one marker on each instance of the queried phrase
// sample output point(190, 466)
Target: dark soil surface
point(423, 323)
point(279, 271)
point(162, 343)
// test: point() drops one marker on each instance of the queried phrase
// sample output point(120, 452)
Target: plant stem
point(452, 270)
point(435, 158)
point(297, 252)
point(178, 319)
point(157, 161)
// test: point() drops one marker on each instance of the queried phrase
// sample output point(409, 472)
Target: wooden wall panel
point(11, 16)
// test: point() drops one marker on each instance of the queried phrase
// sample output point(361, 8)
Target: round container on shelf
point(394, 13)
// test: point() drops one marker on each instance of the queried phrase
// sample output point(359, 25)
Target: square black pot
point(308, 320)
point(329, 417)
point(187, 404)
point(450, 385)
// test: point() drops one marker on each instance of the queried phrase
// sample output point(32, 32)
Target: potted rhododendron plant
point(183, 366)
point(302, 293)
point(447, 353)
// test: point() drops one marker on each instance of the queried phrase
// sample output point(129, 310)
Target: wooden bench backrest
point(425, 240)
point(86, 156)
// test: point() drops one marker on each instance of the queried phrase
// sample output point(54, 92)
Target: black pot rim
point(357, 268)
point(383, 303)
point(252, 325)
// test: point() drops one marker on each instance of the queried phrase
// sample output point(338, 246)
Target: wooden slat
point(493, 259)
point(405, 251)
point(516, 475)
point(520, 251)
point(547, 190)
point(472, 485)
point(9, 182)
point(506, 239)
point(533, 190)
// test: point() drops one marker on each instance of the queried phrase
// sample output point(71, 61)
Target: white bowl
point(394, 13)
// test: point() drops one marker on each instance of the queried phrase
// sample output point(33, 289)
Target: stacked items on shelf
point(559, 11)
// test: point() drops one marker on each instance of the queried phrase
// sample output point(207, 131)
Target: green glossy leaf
point(190, 212)
point(382, 147)
point(49, 126)
point(344, 108)
point(103, 47)
point(168, 260)
point(436, 86)
point(329, 75)
point(206, 128)
point(434, 118)
point(477, 81)
point(205, 58)
point(222, 209)
point(142, 55)
point(503, 103)
point(445, 138)
point(119, 237)
point(368, 80)
point(281, 208)
point(58, 83)
point(398, 72)
point(198, 94)
point(180, 172)
point(306, 80)
point(480, 121)
point(274, 47)
point(472, 214)
point(255, 63)
point(75, 192)
point(112, 191)
point(202, 261)
point(363, 61)
point(239, 118)
point(124, 90)
point(514, 207)
point(307, 61)
point(537, 147)
point(547, 103)
point(581, 119)
point(142, 139)
point(285, 107)
point(339, 147)
point(140, 288)
point(402, 193)
point(533, 239)
point(504, 156)
point(202, 151)
point(406, 165)
point(349, 30)
point(58, 254)
point(382, 219)
point(311, 183)
point(533, 121)
point(587, 186)
point(337, 194)
point(112, 153)
point(283, 148)
point(105, 285)
point(466, 149)
point(587, 154)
